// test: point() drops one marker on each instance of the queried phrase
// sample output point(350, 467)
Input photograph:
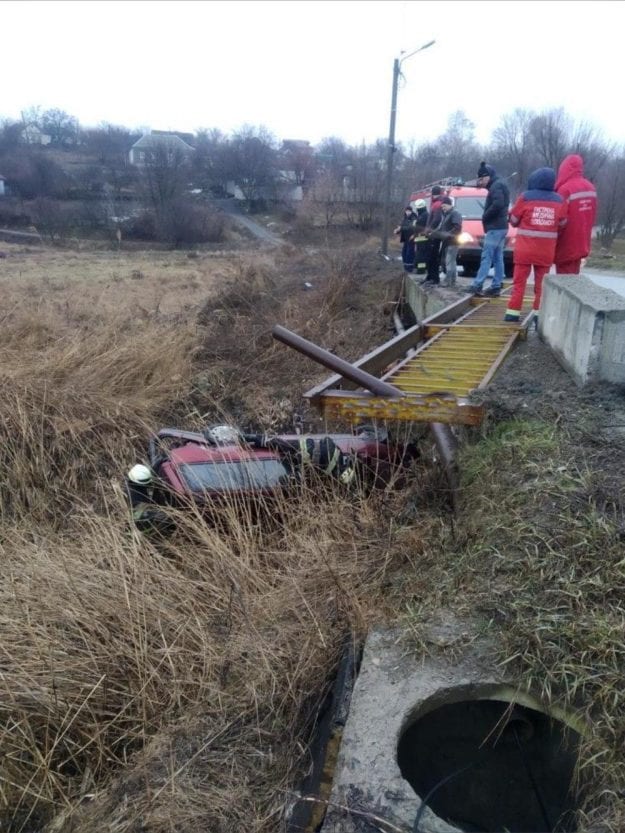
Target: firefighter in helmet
point(142, 498)
point(303, 453)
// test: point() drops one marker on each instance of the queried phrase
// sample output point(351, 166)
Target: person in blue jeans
point(495, 222)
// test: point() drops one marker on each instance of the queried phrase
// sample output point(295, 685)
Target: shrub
point(187, 223)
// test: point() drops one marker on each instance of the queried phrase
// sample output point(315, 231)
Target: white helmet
point(140, 474)
point(223, 434)
point(347, 476)
point(420, 204)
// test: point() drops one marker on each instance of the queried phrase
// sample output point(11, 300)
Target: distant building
point(2, 181)
point(189, 138)
point(159, 143)
point(33, 135)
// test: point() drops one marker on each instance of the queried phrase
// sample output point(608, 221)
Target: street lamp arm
point(420, 49)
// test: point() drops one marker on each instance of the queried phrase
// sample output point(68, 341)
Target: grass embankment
point(172, 688)
point(163, 687)
point(535, 560)
point(613, 260)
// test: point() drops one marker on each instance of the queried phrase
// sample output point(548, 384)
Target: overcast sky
point(308, 69)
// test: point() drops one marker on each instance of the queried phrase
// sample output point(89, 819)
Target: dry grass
point(162, 686)
point(219, 649)
point(171, 686)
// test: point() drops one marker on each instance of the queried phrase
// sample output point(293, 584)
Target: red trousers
point(519, 282)
point(568, 267)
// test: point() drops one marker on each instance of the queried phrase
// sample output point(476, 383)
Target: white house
point(34, 135)
point(148, 147)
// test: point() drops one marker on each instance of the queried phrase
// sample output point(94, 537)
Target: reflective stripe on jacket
point(539, 216)
point(321, 453)
point(580, 196)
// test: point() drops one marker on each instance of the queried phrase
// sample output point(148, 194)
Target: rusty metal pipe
point(447, 446)
point(327, 359)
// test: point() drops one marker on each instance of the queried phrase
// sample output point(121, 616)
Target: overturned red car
point(221, 463)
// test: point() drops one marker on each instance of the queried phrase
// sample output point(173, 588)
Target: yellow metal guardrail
point(438, 377)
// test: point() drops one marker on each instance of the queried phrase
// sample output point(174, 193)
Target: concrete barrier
point(584, 324)
point(427, 302)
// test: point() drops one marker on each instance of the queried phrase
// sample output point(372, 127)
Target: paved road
point(232, 209)
point(9, 235)
point(229, 207)
point(608, 280)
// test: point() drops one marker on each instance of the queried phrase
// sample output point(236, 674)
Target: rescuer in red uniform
point(539, 214)
point(580, 195)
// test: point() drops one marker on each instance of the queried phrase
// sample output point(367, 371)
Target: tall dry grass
point(163, 685)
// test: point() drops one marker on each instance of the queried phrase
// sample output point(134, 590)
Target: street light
point(391, 143)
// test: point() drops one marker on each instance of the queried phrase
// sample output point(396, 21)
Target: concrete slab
point(584, 324)
point(394, 688)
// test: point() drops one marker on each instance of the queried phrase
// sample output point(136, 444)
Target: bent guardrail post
point(329, 360)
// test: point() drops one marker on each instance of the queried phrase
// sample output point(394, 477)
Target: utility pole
point(390, 153)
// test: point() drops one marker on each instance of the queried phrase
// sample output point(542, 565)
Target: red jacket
point(539, 214)
point(581, 196)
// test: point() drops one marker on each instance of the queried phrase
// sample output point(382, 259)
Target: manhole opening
point(487, 765)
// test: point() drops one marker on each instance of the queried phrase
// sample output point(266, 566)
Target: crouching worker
point(142, 498)
point(539, 213)
point(304, 454)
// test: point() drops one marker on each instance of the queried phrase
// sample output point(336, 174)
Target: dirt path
point(231, 208)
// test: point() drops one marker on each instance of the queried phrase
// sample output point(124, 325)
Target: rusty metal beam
point(360, 377)
point(374, 362)
point(447, 447)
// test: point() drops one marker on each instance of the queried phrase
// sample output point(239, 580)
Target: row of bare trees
point(338, 179)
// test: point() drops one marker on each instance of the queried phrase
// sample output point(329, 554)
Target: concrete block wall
point(427, 302)
point(584, 324)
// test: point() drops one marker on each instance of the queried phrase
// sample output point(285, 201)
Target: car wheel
point(469, 271)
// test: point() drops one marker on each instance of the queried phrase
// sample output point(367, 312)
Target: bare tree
point(60, 126)
point(210, 162)
point(365, 184)
point(327, 195)
point(457, 147)
point(589, 142)
point(10, 136)
point(251, 162)
point(512, 143)
point(611, 199)
point(163, 177)
point(334, 156)
point(550, 132)
point(298, 157)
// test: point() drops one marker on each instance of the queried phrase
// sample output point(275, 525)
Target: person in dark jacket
point(581, 197)
point(495, 222)
point(434, 220)
point(406, 232)
point(539, 215)
point(422, 241)
point(447, 232)
point(303, 454)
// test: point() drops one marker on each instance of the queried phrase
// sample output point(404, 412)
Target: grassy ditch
point(173, 687)
point(152, 686)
